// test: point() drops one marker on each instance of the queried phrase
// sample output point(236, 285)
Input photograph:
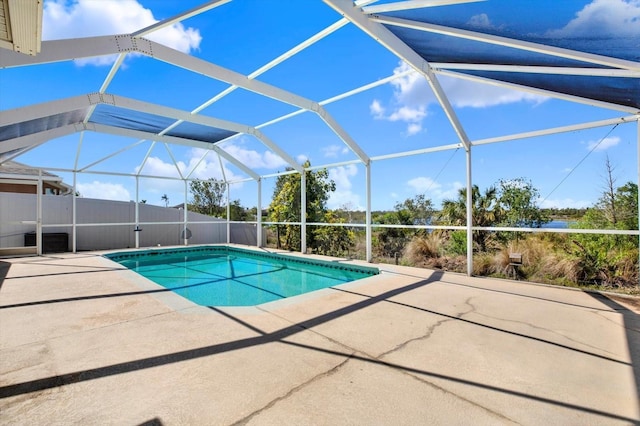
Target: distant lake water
point(558, 224)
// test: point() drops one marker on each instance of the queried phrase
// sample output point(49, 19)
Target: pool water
point(226, 276)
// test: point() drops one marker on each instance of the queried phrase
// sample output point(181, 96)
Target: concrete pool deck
point(83, 341)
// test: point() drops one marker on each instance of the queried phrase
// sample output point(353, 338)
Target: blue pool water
point(225, 276)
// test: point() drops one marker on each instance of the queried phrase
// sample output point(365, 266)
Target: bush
point(457, 243)
point(423, 247)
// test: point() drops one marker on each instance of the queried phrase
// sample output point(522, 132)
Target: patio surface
point(83, 341)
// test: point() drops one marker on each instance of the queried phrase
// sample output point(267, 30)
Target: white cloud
point(377, 110)
point(465, 93)
point(209, 167)
point(332, 151)
point(423, 184)
point(343, 194)
point(104, 191)
point(302, 158)
point(156, 167)
point(434, 190)
point(480, 21)
point(603, 18)
point(451, 192)
point(605, 144)
point(412, 96)
point(253, 159)
point(408, 114)
point(85, 18)
point(566, 203)
point(414, 128)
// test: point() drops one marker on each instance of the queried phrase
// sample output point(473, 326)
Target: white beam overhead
point(173, 158)
point(338, 97)
point(35, 139)
point(411, 4)
point(556, 130)
point(298, 48)
point(386, 38)
point(146, 158)
point(66, 50)
point(204, 120)
point(591, 72)
point(10, 155)
point(366, 87)
point(195, 166)
point(76, 48)
point(361, 3)
point(417, 152)
point(509, 42)
point(92, 99)
point(197, 65)
point(35, 111)
point(275, 148)
point(120, 151)
point(288, 54)
point(542, 92)
point(180, 17)
point(170, 139)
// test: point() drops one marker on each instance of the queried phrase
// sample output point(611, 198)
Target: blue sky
point(402, 115)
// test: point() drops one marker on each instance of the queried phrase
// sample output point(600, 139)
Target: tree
point(207, 197)
point(485, 211)
point(609, 259)
point(165, 198)
point(286, 205)
point(627, 206)
point(607, 202)
point(391, 241)
point(418, 210)
point(517, 199)
point(237, 212)
point(333, 240)
point(412, 211)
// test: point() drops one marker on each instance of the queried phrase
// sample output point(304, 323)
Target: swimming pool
point(229, 276)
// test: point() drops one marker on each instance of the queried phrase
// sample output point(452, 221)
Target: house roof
point(13, 169)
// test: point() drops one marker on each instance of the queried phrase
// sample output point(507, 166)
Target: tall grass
point(545, 259)
point(424, 247)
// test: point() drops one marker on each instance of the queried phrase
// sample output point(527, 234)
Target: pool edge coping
point(177, 303)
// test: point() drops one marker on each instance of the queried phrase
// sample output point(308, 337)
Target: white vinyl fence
point(105, 224)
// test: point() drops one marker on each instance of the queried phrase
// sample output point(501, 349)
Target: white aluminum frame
point(358, 13)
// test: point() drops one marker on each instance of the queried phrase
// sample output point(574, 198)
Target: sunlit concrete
point(83, 341)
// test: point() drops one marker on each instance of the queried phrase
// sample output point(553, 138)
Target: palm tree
point(165, 198)
point(486, 211)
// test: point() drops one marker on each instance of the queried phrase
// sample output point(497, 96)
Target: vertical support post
point(137, 229)
point(368, 212)
point(469, 215)
point(74, 229)
point(186, 212)
point(303, 211)
point(39, 214)
point(259, 215)
point(228, 214)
